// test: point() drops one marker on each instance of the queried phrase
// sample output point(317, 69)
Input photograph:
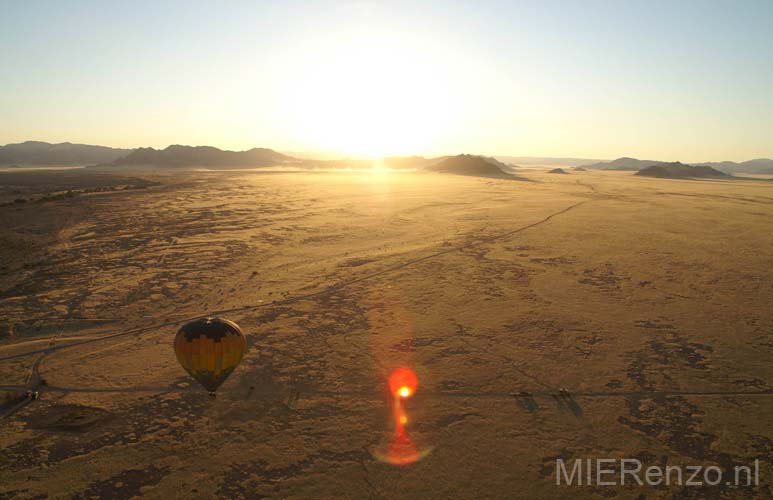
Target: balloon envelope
point(209, 350)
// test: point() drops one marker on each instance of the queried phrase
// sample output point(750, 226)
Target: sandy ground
point(648, 300)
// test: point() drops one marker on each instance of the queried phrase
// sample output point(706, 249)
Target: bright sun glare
point(380, 95)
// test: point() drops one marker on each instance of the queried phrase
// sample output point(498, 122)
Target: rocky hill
point(678, 170)
point(473, 165)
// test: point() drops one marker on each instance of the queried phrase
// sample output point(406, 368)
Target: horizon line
point(342, 156)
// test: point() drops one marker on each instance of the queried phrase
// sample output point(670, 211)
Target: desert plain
point(588, 315)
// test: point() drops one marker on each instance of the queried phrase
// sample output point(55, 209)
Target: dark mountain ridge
point(204, 156)
point(624, 163)
point(757, 166)
point(65, 153)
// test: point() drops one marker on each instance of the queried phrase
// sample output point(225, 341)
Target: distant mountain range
point(759, 166)
point(545, 161)
point(34, 153)
point(176, 156)
point(676, 170)
point(204, 156)
point(623, 163)
point(44, 153)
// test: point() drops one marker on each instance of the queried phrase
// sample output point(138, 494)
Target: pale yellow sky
point(689, 82)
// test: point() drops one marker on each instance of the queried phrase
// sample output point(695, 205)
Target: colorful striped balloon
point(209, 350)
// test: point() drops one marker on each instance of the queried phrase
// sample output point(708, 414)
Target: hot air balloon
point(209, 350)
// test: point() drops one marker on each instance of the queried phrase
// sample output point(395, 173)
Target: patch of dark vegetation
point(754, 382)
point(53, 186)
point(607, 279)
point(125, 485)
point(410, 345)
point(70, 193)
point(260, 476)
point(118, 428)
point(69, 418)
point(676, 423)
point(763, 446)
point(13, 494)
point(675, 349)
point(663, 354)
point(554, 261)
point(672, 420)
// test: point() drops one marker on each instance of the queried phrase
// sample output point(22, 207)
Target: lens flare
point(403, 382)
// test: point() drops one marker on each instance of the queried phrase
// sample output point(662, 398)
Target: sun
point(369, 95)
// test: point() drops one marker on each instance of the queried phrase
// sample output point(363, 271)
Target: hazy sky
point(676, 79)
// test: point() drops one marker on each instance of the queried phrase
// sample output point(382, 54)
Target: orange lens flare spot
point(403, 382)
